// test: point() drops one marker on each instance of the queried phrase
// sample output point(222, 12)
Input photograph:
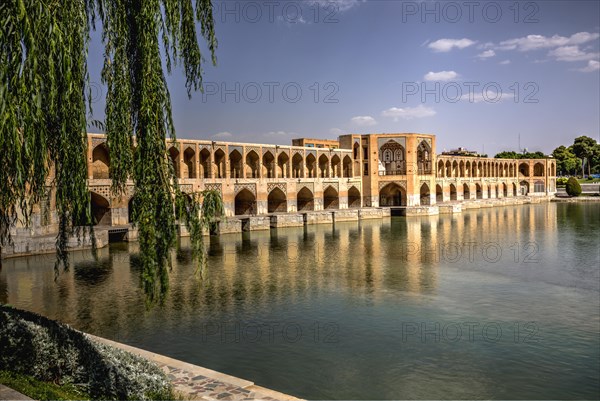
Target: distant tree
point(573, 188)
point(595, 164)
point(583, 148)
point(508, 154)
point(533, 155)
point(566, 161)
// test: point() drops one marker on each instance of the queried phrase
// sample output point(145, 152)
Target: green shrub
point(53, 352)
point(561, 181)
point(573, 188)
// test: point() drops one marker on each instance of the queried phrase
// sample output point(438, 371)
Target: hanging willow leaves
point(43, 85)
point(44, 90)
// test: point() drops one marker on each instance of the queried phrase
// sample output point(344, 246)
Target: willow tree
point(46, 101)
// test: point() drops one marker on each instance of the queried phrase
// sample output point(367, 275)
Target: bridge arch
point(354, 199)
point(305, 200)
point(283, 165)
point(336, 166)
point(347, 166)
point(205, 163)
point(478, 191)
point(189, 161)
point(297, 166)
point(276, 201)
point(455, 170)
point(100, 162)
point(100, 208)
point(235, 164)
point(524, 169)
point(311, 162)
point(245, 203)
point(467, 190)
point(220, 164)
point(323, 166)
point(392, 195)
point(424, 195)
point(268, 165)
point(331, 199)
point(538, 170)
point(252, 164)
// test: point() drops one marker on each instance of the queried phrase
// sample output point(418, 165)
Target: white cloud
point(445, 45)
point(490, 96)
point(505, 62)
point(534, 42)
point(339, 5)
point(486, 54)
point(571, 53)
point(363, 121)
point(408, 113)
point(440, 76)
point(222, 135)
point(593, 65)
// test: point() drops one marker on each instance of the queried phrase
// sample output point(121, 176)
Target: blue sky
point(476, 74)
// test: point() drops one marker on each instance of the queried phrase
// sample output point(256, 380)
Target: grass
point(588, 180)
point(39, 390)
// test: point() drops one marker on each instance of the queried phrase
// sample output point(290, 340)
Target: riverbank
point(43, 358)
point(197, 383)
point(574, 199)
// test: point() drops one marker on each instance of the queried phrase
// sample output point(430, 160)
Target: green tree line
point(582, 157)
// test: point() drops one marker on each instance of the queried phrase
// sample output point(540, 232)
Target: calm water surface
point(496, 303)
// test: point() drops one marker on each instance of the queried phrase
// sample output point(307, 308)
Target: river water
point(496, 303)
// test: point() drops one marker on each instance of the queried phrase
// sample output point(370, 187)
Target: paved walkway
point(198, 383)
point(7, 393)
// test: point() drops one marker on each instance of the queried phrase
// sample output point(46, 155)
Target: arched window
point(387, 156)
point(392, 159)
point(423, 159)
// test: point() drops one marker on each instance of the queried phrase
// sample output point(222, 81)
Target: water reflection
point(534, 263)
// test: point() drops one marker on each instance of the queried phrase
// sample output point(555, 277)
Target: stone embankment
point(575, 199)
point(32, 242)
point(198, 383)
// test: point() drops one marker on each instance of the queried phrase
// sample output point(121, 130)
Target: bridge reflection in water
point(530, 263)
